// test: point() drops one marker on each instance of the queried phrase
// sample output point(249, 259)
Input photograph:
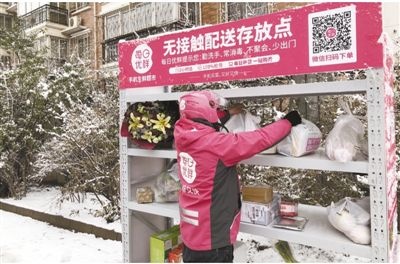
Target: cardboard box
point(162, 243)
point(257, 193)
point(258, 213)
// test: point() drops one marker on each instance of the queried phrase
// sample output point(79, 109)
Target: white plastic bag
point(351, 217)
point(303, 139)
point(246, 122)
point(167, 185)
point(242, 122)
point(346, 140)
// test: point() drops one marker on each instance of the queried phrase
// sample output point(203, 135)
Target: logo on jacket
point(188, 167)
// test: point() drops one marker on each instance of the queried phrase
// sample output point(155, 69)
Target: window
point(40, 43)
point(189, 13)
point(127, 25)
point(110, 51)
point(5, 21)
point(83, 48)
point(45, 13)
point(62, 5)
point(112, 26)
point(80, 47)
point(58, 48)
point(73, 6)
point(237, 10)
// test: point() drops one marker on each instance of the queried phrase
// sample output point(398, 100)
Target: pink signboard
point(316, 38)
point(390, 144)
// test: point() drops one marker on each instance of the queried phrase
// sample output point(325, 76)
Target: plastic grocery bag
point(167, 185)
point(245, 121)
point(346, 139)
point(303, 139)
point(352, 217)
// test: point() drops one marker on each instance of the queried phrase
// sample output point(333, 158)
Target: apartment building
point(65, 28)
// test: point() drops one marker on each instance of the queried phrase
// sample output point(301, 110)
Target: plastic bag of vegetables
point(351, 217)
point(167, 185)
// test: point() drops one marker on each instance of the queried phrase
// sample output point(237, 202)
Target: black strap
point(217, 126)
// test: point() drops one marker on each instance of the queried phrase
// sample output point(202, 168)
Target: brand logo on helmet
point(188, 167)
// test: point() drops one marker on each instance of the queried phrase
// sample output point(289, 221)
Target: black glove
point(293, 117)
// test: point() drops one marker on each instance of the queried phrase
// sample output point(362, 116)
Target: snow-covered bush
point(33, 98)
point(86, 151)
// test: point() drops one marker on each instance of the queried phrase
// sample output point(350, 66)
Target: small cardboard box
point(257, 193)
point(260, 214)
point(162, 243)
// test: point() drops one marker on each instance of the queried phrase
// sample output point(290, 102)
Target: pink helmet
point(200, 104)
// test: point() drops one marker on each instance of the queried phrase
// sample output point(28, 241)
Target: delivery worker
point(209, 199)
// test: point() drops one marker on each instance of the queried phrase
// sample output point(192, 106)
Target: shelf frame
point(140, 220)
point(310, 236)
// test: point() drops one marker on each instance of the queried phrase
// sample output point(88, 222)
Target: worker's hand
point(293, 117)
point(235, 108)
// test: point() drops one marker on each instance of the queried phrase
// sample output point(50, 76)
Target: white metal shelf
point(162, 209)
point(315, 161)
point(317, 233)
point(304, 89)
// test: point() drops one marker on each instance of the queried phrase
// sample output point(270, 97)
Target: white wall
point(391, 17)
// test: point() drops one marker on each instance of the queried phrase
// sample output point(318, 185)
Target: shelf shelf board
point(315, 161)
point(162, 209)
point(317, 233)
point(302, 89)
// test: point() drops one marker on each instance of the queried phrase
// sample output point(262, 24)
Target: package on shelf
point(257, 193)
point(164, 242)
point(303, 139)
point(144, 195)
point(288, 208)
point(352, 217)
point(259, 213)
point(175, 255)
point(245, 121)
point(167, 185)
point(346, 142)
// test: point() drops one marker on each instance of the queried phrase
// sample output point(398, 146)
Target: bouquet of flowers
point(150, 124)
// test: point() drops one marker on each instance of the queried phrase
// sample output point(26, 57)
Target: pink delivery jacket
point(209, 199)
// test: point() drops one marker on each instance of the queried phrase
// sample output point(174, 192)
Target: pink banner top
point(316, 38)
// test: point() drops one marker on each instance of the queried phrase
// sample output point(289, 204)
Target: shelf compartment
point(315, 161)
point(317, 233)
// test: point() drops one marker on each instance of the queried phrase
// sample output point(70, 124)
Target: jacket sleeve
point(235, 147)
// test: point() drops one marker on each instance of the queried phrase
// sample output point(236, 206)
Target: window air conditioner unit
point(74, 21)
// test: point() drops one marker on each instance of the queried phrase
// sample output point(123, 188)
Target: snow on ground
point(49, 200)
point(24, 239)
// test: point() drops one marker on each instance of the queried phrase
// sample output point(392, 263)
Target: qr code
point(332, 37)
point(332, 32)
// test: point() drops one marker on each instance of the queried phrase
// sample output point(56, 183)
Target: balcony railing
point(43, 14)
point(147, 19)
